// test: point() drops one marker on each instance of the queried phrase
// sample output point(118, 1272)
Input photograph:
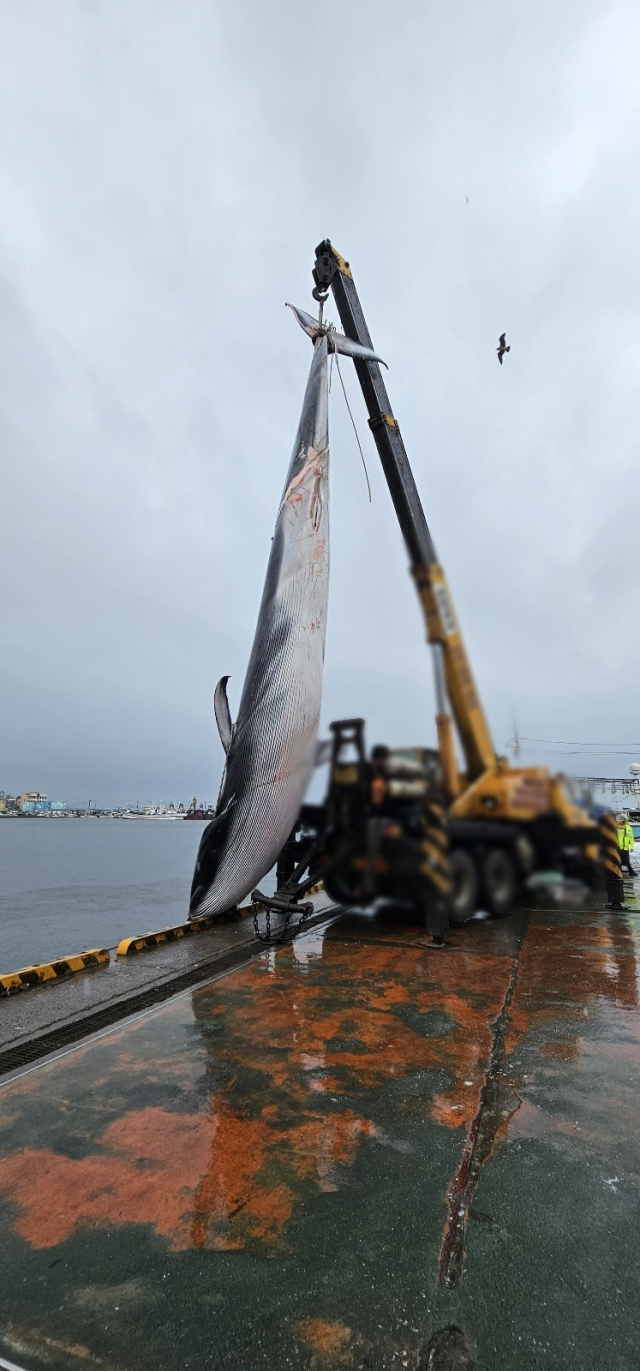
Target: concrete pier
point(327, 1154)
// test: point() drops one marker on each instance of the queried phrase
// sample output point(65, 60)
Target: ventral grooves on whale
point(272, 746)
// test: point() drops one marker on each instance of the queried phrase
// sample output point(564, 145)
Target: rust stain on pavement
point(286, 1048)
point(330, 1342)
point(286, 1051)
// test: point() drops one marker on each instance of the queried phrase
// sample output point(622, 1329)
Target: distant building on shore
point(30, 802)
point(35, 804)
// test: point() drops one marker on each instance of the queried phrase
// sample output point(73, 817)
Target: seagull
point(502, 348)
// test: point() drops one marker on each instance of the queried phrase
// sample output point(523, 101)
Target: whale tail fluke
point(336, 342)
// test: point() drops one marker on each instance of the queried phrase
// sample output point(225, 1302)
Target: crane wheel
point(464, 886)
point(499, 881)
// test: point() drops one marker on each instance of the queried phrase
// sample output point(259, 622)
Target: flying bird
point(502, 347)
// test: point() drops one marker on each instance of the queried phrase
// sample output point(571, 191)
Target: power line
point(580, 752)
point(569, 742)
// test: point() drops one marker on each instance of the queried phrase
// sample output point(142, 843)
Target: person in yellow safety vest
point(626, 841)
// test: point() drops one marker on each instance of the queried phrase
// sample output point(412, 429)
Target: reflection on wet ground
point(328, 1155)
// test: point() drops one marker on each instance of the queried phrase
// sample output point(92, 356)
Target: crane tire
point(464, 886)
point(499, 881)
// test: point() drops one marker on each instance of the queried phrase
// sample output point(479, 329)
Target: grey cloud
point(165, 174)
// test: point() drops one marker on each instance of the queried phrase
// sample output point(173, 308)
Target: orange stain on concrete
point(239, 1202)
point(564, 1051)
point(230, 1190)
point(149, 1166)
point(201, 1180)
point(343, 1032)
point(328, 1340)
point(229, 1176)
point(31, 1342)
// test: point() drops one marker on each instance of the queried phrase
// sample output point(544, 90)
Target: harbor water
point(67, 885)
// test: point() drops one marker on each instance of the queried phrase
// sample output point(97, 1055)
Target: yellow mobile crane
point(503, 821)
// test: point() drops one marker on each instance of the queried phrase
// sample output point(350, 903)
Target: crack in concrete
point(498, 1102)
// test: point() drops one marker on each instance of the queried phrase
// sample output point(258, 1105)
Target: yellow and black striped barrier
point(165, 935)
point(31, 976)
point(611, 860)
point(144, 941)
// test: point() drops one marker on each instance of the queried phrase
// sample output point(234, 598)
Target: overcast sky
point(166, 171)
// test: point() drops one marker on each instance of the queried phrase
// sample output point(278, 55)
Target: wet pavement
point(37, 1020)
point(324, 1157)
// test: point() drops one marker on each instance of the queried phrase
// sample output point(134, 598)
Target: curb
point(142, 941)
point(74, 1030)
point(169, 935)
point(31, 976)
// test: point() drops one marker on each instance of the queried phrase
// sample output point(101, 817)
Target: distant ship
point(200, 811)
point(152, 811)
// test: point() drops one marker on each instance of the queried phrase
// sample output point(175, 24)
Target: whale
point(272, 747)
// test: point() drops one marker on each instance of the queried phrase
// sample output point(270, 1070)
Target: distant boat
point(152, 811)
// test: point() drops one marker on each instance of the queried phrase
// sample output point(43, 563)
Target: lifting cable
point(335, 354)
point(321, 297)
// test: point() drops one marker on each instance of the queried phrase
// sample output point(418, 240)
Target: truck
point(410, 824)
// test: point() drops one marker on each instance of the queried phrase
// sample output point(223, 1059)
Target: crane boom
point(452, 670)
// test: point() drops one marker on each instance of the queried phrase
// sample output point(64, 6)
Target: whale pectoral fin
point(223, 713)
point(336, 341)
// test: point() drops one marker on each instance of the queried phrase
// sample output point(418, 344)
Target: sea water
point(67, 885)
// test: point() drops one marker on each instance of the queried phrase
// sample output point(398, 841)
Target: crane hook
point(323, 273)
